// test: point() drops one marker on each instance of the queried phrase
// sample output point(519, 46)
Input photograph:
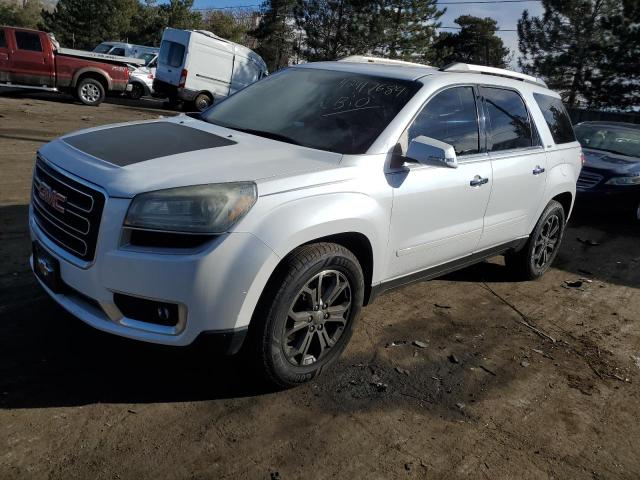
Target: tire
point(542, 247)
point(314, 341)
point(202, 101)
point(90, 92)
point(137, 91)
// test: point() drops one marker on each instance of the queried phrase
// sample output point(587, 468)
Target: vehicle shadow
point(145, 104)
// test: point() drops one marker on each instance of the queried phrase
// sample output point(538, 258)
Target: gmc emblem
point(51, 197)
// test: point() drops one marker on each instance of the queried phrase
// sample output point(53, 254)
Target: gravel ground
point(508, 379)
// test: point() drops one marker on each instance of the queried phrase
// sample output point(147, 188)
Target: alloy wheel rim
point(547, 242)
point(317, 318)
point(90, 92)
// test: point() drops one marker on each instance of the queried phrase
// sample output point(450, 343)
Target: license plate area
point(47, 268)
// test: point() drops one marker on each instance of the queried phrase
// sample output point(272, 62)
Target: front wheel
point(542, 247)
point(90, 92)
point(307, 313)
point(137, 91)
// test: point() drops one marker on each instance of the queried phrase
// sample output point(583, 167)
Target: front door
point(30, 65)
point(519, 167)
point(438, 211)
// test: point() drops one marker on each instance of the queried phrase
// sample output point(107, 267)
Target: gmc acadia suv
point(269, 220)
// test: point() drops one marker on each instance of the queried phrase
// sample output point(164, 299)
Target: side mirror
point(429, 151)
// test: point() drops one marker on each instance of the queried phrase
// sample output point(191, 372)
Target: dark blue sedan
point(612, 163)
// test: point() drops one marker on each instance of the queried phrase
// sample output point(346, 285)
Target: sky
point(507, 15)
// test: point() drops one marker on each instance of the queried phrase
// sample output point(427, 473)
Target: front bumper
point(216, 286)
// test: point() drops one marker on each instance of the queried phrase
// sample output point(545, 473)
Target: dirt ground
point(515, 380)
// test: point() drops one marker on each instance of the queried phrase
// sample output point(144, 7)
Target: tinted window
point(556, 117)
point(450, 117)
point(118, 52)
point(171, 53)
point(508, 122)
point(3, 41)
point(329, 110)
point(28, 41)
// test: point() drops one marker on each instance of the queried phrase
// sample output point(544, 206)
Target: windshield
point(103, 48)
point(329, 110)
point(147, 57)
point(610, 138)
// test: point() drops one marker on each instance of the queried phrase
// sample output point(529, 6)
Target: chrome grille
point(588, 180)
point(67, 211)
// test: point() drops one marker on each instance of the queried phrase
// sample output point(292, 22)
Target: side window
point(556, 117)
point(508, 123)
point(3, 40)
point(450, 117)
point(117, 51)
point(28, 41)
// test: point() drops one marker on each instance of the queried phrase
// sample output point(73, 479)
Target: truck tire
point(306, 314)
point(90, 92)
point(542, 247)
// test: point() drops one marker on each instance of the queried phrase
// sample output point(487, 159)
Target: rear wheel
point(202, 101)
point(90, 92)
point(307, 313)
point(542, 247)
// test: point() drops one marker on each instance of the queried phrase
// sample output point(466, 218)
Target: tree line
point(589, 50)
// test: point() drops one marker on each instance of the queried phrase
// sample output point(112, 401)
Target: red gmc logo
point(51, 197)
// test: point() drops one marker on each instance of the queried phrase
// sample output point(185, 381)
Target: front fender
point(286, 223)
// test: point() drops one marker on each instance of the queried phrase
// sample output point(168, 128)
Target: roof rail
point(501, 72)
point(380, 61)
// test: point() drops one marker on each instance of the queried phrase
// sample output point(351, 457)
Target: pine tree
point(568, 44)
point(26, 14)
point(337, 28)
point(86, 23)
point(476, 42)
point(275, 33)
point(410, 28)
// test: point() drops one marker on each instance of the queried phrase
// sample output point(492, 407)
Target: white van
point(200, 67)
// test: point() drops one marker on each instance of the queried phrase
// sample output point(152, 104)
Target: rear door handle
point(478, 181)
point(538, 170)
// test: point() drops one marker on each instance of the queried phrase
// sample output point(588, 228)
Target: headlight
point(634, 180)
point(210, 209)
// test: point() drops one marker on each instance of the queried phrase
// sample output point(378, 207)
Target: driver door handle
point(538, 170)
point(478, 181)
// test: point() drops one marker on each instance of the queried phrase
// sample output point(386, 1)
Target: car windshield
point(147, 57)
point(103, 48)
point(610, 138)
point(328, 110)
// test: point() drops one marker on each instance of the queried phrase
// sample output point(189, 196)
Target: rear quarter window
point(28, 41)
point(171, 53)
point(556, 117)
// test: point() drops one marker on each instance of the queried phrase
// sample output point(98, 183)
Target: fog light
point(150, 311)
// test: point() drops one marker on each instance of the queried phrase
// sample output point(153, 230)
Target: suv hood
point(128, 159)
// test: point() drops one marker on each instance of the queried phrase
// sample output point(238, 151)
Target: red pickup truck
point(32, 59)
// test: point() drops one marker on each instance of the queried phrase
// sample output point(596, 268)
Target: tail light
point(583, 159)
point(183, 78)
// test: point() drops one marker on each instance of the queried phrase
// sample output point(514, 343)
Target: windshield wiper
point(266, 134)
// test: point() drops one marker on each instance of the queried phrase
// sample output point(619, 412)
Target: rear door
point(31, 62)
point(171, 61)
point(519, 167)
point(4, 56)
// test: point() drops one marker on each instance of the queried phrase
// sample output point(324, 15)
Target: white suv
point(277, 214)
